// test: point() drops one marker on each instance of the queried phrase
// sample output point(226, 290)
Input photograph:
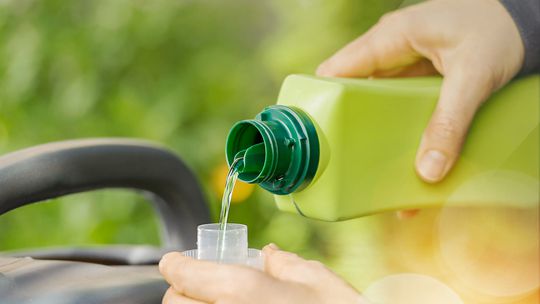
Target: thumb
point(383, 49)
point(462, 93)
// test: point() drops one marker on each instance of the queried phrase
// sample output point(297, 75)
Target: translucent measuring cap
point(229, 246)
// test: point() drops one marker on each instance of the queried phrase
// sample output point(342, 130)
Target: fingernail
point(324, 69)
point(432, 165)
point(273, 246)
point(406, 214)
point(320, 69)
point(163, 261)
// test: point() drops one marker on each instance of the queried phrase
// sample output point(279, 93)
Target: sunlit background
point(181, 73)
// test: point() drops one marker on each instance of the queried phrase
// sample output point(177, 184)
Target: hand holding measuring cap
point(287, 278)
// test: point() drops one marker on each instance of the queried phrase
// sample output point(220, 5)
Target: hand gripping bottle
point(335, 149)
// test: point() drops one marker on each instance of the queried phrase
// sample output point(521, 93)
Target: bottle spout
point(252, 163)
point(280, 149)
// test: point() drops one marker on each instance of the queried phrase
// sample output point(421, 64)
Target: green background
point(175, 72)
point(180, 73)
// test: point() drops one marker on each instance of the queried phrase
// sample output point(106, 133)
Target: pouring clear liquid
point(232, 176)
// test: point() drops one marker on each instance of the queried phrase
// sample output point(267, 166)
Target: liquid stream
point(232, 176)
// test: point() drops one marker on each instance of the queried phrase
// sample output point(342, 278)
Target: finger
point(278, 263)
point(423, 67)
point(288, 266)
point(384, 47)
point(271, 246)
point(463, 91)
point(290, 269)
point(172, 297)
point(207, 281)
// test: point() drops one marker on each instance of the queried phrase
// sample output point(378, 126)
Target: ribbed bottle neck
point(279, 149)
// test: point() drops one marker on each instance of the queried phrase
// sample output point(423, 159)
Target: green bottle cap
point(280, 149)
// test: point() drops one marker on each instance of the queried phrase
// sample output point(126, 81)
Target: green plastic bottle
point(334, 149)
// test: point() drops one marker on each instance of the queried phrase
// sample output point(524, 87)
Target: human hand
point(287, 278)
point(473, 43)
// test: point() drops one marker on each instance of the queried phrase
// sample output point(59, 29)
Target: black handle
point(61, 168)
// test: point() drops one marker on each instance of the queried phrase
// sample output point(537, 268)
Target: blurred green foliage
point(176, 72)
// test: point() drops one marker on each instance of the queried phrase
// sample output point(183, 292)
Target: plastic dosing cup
point(230, 247)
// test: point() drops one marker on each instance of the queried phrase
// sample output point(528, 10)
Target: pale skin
point(473, 44)
point(286, 278)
